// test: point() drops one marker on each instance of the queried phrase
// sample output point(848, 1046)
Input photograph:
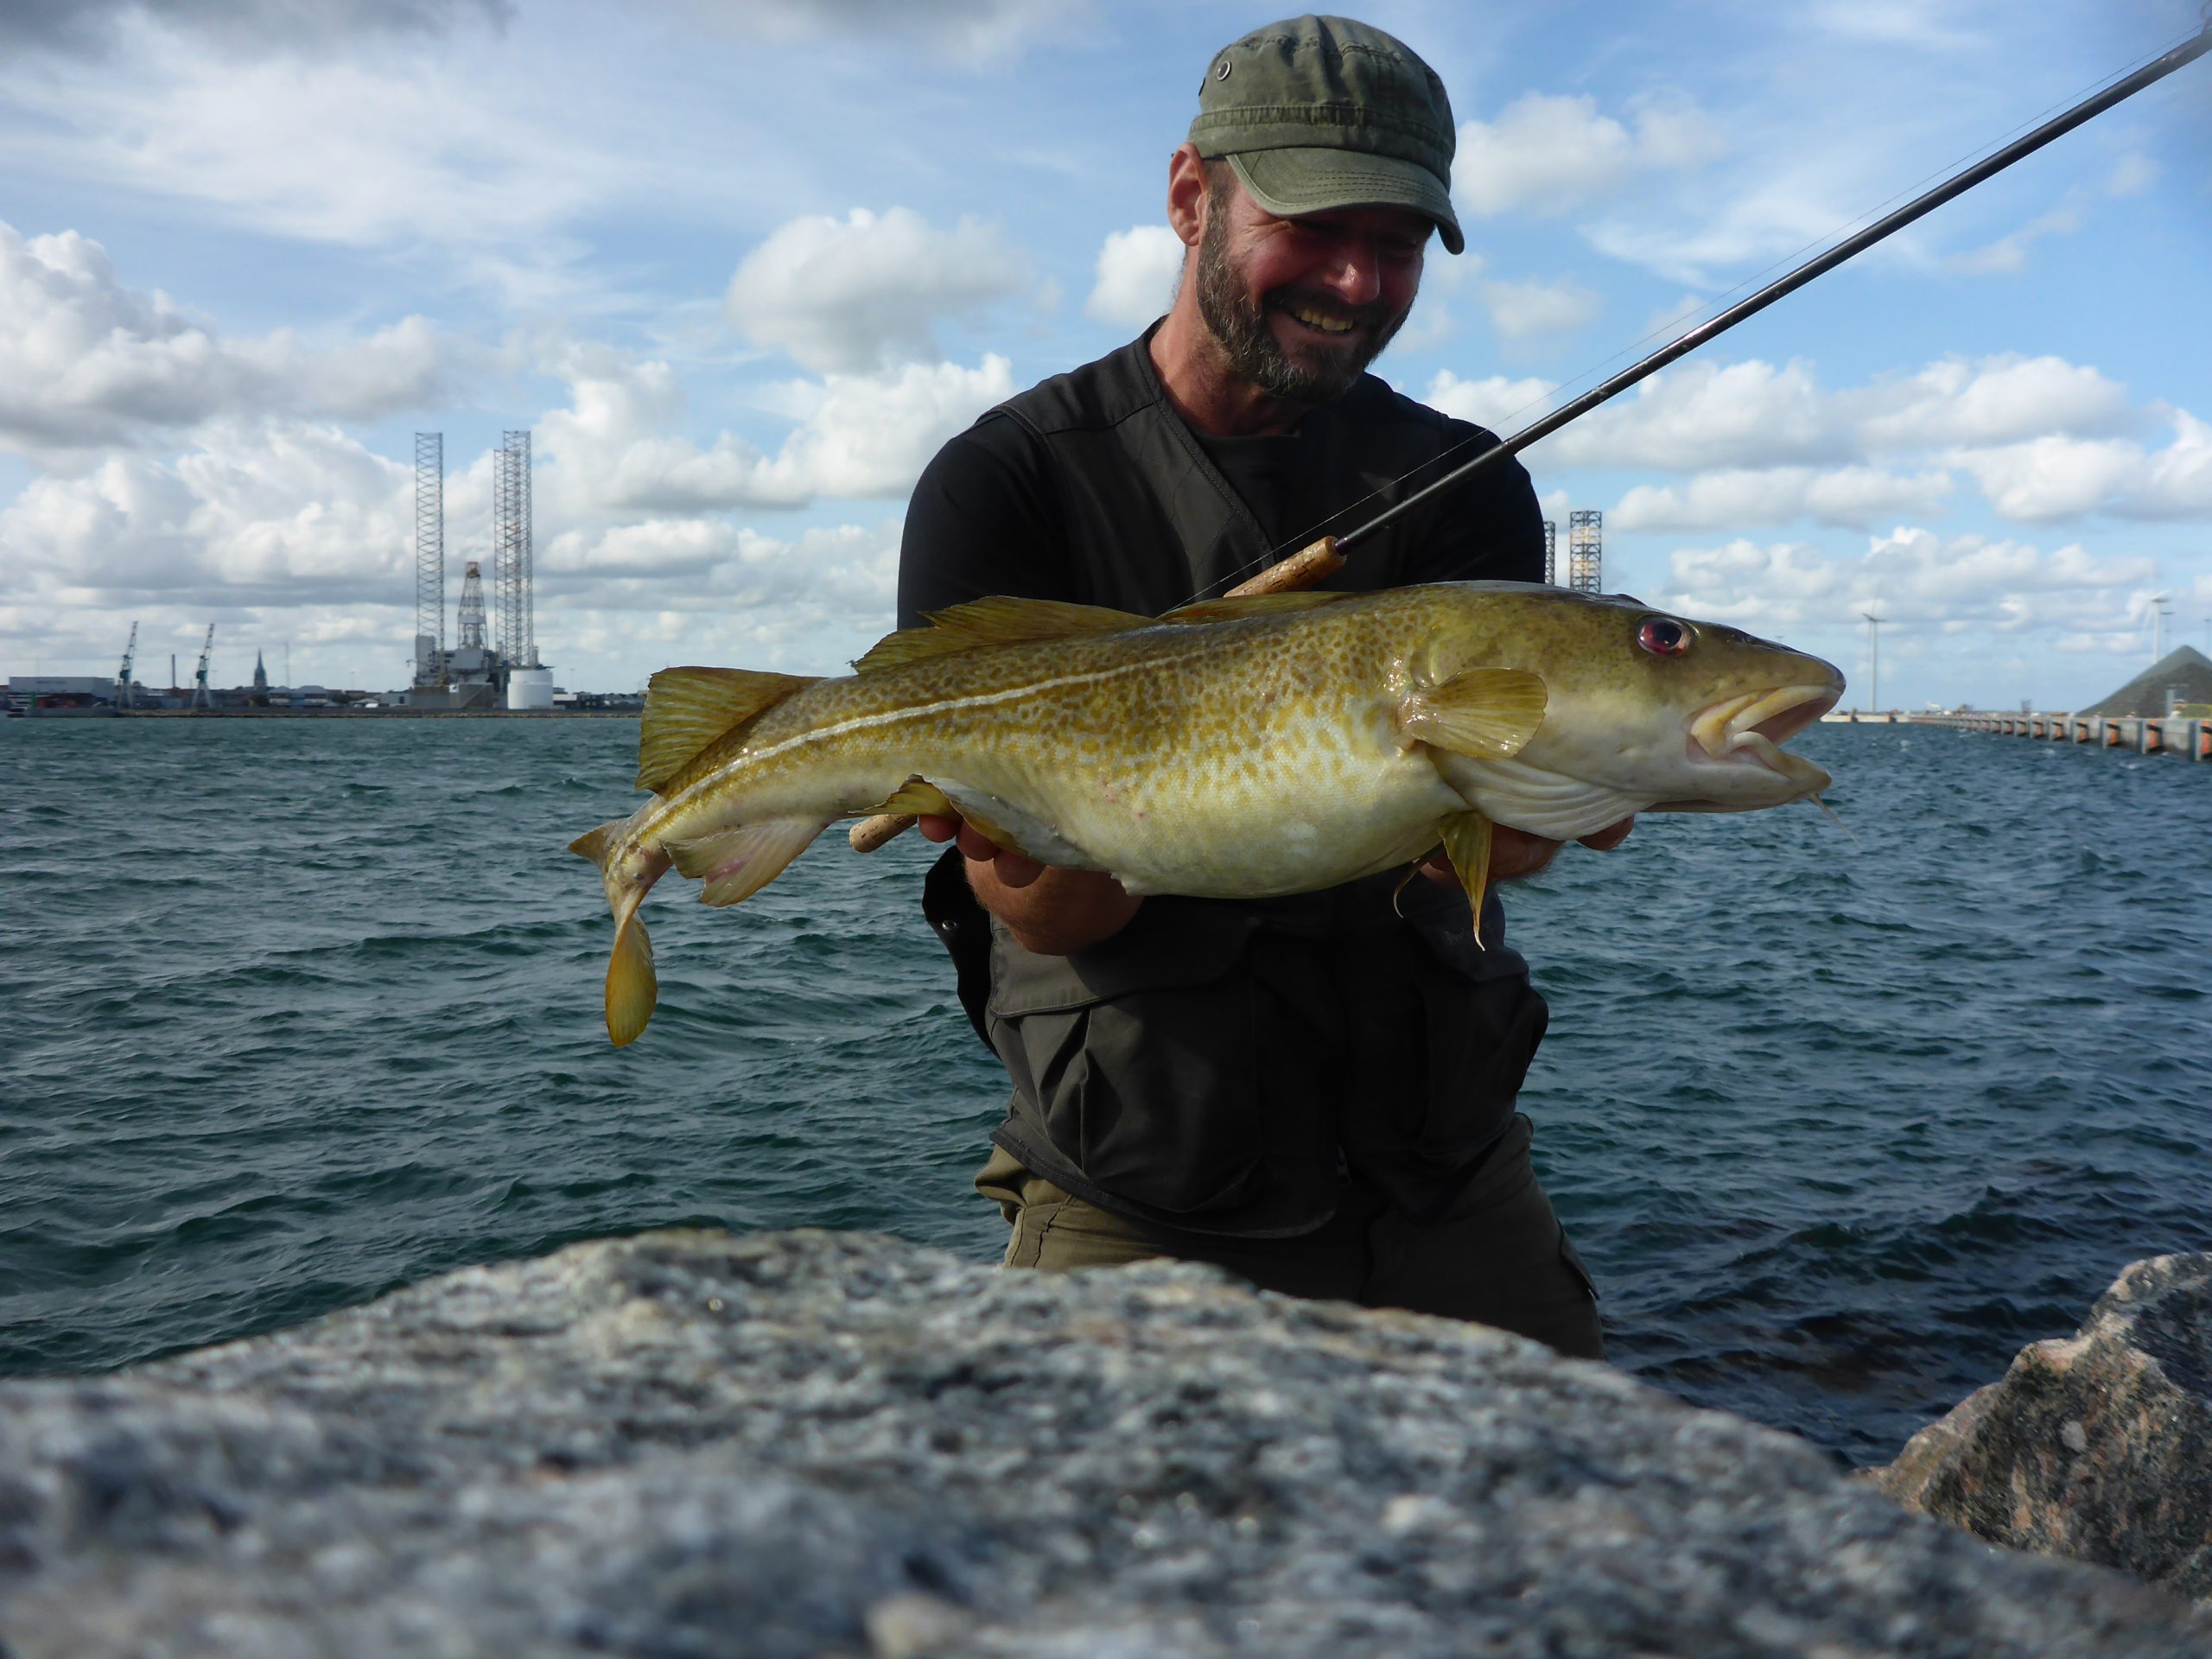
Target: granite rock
point(813, 1444)
point(2095, 1447)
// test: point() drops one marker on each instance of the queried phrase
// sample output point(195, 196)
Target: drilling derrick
point(513, 581)
point(1586, 553)
point(472, 610)
point(1551, 554)
point(429, 560)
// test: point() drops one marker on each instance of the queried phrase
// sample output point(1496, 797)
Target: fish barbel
point(1236, 749)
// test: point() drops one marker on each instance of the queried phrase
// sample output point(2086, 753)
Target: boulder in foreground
point(800, 1445)
point(2095, 1447)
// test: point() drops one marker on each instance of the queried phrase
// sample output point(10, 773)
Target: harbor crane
point(123, 687)
point(201, 696)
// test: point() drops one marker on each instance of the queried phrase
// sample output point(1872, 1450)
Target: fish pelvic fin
point(633, 989)
point(1467, 843)
point(999, 620)
point(1486, 712)
point(737, 863)
point(687, 709)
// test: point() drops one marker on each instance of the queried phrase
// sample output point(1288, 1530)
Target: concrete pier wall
point(2190, 737)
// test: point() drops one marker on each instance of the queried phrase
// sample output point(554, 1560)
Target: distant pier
point(2190, 736)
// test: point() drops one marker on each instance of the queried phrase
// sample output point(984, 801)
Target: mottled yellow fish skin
point(1269, 754)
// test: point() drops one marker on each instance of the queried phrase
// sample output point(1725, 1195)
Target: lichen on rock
point(813, 1444)
point(2094, 1447)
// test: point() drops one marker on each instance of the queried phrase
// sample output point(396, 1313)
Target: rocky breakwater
point(690, 1444)
point(2095, 1447)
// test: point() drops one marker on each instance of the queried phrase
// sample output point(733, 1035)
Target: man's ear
point(1186, 194)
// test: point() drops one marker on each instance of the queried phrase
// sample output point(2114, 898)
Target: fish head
point(1644, 709)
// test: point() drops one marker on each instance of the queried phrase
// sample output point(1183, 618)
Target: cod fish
point(1236, 749)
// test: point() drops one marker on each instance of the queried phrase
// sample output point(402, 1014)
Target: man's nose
point(1355, 276)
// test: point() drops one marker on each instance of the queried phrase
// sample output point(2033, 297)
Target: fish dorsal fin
point(1000, 620)
point(1237, 607)
point(687, 709)
point(1492, 712)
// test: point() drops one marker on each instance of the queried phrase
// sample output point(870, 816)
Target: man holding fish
point(1315, 1091)
point(1186, 903)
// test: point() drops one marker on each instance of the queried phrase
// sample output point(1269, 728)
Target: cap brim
point(1289, 182)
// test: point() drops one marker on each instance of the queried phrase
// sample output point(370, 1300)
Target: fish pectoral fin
point(1236, 607)
point(632, 986)
point(998, 621)
point(1467, 843)
point(687, 709)
point(737, 863)
point(1478, 711)
point(916, 798)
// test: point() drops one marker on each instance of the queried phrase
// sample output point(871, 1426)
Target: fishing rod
point(1319, 560)
point(1325, 557)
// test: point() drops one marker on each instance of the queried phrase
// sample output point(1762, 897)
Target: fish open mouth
point(1750, 729)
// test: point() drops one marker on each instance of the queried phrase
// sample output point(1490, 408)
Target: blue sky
point(741, 267)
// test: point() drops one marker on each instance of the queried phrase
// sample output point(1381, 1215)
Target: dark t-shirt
point(1372, 1027)
point(985, 518)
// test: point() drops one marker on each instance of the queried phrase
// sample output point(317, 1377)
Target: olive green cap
point(1324, 113)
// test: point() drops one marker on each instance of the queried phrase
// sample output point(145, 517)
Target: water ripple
point(1839, 1124)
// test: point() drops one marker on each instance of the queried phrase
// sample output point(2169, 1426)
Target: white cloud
point(256, 26)
point(1911, 576)
point(1551, 154)
point(283, 510)
point(962, 30)
point(1136, 274)
point(614, 448)
point(1503, 404)
point(1850, 497)
point(2039, 436)
point(1522, 310)
point(1702, 414)
point(86, 361)
point(868, 290)
point(1996, 400)
point(343, 150)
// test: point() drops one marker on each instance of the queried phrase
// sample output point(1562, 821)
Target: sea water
point(297, 1011)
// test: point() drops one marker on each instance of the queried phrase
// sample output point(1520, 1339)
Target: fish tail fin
point(632, 986)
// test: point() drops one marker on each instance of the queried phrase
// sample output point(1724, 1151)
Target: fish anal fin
point(1237, 607)
point(687, 709)
point(998, 621)
point(1467, 843)
point(1478, 711)
point(737, 863)
point(632, 986)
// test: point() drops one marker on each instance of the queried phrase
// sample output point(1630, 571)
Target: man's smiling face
point(1302, 306)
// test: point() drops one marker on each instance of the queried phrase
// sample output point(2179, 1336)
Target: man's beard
point(1238, 321)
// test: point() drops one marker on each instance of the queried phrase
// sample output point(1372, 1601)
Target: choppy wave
point(297, 1011)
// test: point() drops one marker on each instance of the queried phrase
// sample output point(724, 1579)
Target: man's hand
point(1515, 854)
point(1050, 912)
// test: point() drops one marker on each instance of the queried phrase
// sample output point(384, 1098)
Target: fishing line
point(1838, 250)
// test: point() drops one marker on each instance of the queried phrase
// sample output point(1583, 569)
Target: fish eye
point(1664, 637)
